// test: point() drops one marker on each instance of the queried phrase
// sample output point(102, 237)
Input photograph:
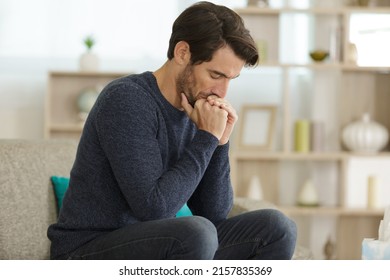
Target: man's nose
point(222, 88)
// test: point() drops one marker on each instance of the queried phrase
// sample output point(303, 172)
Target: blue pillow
point(184, 211)
point(60, 185)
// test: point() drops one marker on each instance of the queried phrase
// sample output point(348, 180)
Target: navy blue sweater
point(139, 159)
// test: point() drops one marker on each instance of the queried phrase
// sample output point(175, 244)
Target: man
point(156, 141)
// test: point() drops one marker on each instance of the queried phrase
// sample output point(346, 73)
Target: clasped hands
point(214, 115)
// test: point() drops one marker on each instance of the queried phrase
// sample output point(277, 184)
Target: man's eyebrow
point(223, 74)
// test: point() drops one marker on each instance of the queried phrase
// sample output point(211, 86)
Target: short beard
point(184, 82)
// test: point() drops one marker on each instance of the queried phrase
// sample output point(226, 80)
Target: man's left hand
point(232, 116)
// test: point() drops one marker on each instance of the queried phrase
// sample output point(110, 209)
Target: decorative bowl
point(319, 55)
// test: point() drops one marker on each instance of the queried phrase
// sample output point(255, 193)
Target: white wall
point(42, 35)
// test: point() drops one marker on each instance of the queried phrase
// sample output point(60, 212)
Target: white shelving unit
point(334, 92)
point(61, 113)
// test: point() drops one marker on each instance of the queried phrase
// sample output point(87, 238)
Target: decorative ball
point(365, 136)
point(86, 99)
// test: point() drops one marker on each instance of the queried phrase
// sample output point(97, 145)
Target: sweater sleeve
point(127, 129)
point(213, 198)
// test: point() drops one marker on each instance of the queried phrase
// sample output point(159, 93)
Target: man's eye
point(216, 76)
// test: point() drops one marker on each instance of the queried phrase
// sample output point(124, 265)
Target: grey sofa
point(27, 200)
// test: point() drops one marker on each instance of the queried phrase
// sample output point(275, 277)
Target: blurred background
point(43, 35)
point(43, 92)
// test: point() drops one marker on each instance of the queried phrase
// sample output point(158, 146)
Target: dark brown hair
point(207, 27)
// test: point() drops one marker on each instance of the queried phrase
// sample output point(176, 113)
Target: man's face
point(210, 78)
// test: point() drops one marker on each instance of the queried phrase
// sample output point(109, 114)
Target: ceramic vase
point(329, 249)
point(308, 195)
point(352, 54)
point(255, 190)
point(89, 62)
point(365, 136)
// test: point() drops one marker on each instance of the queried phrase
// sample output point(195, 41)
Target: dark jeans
point(262, 234)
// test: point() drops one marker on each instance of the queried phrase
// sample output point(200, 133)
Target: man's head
point(211, 44)
point(207, 27)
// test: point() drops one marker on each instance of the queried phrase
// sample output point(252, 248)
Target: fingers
point(216, 101)
point(186, 105)
point(223, 104)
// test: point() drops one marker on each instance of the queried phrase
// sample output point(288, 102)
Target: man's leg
point(178, 238)
point(262, 234)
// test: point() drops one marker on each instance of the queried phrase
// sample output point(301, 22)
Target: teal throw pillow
point(184, 211)
point(60, 185)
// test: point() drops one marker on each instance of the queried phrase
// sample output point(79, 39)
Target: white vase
point(258, 3)
point(308, 195)
point(365, 136)
point(255, 190)
point(352, 54)
point(89, 62)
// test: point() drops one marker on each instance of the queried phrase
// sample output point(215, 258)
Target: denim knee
point(199, 238)
point(285, 228)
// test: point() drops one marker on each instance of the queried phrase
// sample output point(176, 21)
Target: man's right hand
point(210, 118)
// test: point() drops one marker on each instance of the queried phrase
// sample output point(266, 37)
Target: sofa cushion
point(27, 201)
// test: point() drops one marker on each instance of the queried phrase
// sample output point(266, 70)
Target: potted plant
point(88, 60)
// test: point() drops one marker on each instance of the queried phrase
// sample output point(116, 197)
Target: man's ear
point(182, 54)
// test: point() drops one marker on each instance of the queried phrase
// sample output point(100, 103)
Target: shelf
point(334, 92)
point(367, 10)
point(64, 74)
point(326, 156)
point(333, 211)
point(327, 66)
point(314, 11)
point(319, 65)
point(258, 155)
point(356, 68)
point(70, 127)
point(271, 11)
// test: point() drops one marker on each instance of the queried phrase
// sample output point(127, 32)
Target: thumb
point(186, 106)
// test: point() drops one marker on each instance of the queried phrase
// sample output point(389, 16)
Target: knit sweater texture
point(139, 159)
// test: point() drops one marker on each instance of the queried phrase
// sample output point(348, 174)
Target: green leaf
point(89, 42)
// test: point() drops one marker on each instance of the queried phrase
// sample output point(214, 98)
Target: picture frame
point(261, 117)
